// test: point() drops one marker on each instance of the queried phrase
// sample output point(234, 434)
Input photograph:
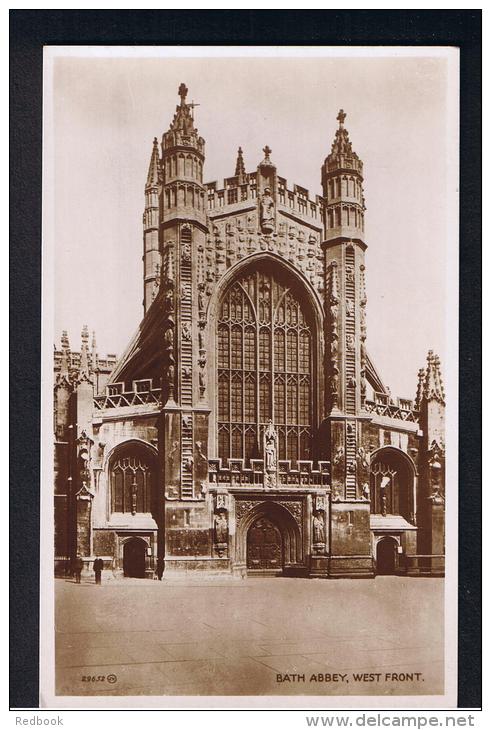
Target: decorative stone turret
point(432, 460)
point(183, 228)
point(62, 391)
point(240, 172)
point(344, 250)
point(345, 335)
point(342, 184)
point(183, 156)
point(151, 247)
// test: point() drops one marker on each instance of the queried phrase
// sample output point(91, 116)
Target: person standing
point(79, 564)
point(98, 567)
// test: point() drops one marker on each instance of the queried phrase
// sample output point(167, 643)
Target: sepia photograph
point(250, 313)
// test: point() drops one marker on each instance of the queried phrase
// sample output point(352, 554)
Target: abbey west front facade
point(245, 428)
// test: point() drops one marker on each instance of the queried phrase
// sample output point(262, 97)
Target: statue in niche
point(201, 299)
point(169, 338)
point(221, 527)
point(270, 447)
point(185, 291)
point(364, 458)
point(170, 376)
point(186, 331)
point(319, 530)
point(339, 455)
point(267, 211)
point(383, 495)
point(185, 252)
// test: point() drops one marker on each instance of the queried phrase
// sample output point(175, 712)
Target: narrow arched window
point(265, 366)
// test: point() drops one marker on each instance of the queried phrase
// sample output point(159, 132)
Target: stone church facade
point(246, 428)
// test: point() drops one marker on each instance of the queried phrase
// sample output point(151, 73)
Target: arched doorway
point(264, 546)
point(268, 536)
point(386, 556)
point(134, 551)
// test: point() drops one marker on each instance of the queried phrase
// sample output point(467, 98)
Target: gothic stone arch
point(143, 452)
point(267, 264)
point(393, 473)
point(287, 515)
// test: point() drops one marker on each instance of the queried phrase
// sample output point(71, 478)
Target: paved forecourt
point(259, 636)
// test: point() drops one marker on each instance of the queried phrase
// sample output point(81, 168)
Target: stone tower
point(183, 226)
point(345, 326)
point(344, 260)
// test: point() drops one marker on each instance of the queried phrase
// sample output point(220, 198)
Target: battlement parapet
point(403, 410)
point(297, 201)
point(142, 393)
point(236, 474)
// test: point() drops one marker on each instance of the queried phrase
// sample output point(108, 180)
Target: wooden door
point(134, 558)
point(264, 546)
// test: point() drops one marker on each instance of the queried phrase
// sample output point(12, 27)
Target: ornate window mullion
point(229, 424)
point(272, 361)
point(272, 365)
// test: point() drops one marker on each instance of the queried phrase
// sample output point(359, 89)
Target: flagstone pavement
point(258, 636)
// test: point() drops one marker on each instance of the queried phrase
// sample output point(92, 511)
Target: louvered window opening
point(264, 369)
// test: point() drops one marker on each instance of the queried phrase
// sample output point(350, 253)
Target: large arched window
point(132, 475)
point(265, 367)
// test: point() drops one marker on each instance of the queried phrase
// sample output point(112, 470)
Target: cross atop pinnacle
point(341, 117)
point(183, 92)
point(267, 151)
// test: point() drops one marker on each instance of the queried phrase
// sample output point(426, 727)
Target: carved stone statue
point(319, 531)
point(270, 447)
point(383, 495)
point(221, 527)
point(267, 211)
point(384, 504)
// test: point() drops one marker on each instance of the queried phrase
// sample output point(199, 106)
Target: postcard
point(250, 282)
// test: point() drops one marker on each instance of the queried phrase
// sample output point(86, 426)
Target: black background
point(29, 31)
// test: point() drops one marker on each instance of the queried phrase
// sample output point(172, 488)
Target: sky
point(105, 113)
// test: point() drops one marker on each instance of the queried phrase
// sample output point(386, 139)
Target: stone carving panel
point(231, 240)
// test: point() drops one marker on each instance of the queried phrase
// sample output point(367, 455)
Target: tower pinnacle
point(153, 167)
point(65, 349)
point(433, 385)
point(84, 369)
point(239, 165)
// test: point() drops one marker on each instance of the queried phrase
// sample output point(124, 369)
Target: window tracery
point(131, 476)
point(265, 368)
